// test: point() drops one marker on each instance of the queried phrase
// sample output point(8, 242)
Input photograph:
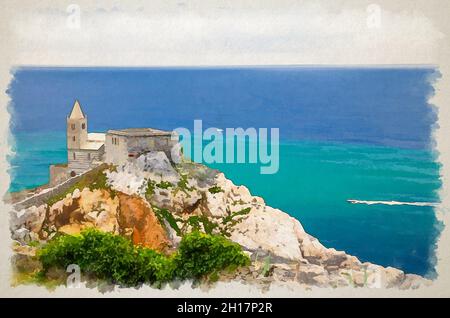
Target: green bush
point(150, 189)
point(215, 189)
point(183, 184)
point(115, 258)
point(164, 185)
point(107, 256)
point(195, 221)
point(200, 254)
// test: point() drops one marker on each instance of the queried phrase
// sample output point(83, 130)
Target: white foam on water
point(393, 203)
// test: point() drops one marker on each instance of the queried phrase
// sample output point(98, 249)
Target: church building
point(87, 150)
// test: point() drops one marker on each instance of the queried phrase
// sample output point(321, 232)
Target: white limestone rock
point(58, 207)
point(76, 194)
point(216, 204)
point(393, 277)
point(156, 166)
point(413, 281)
point(107, 222)
point(21, 235)
point(176, 201)
point(270, 230)
point(100, 209)
point(31, 218)
point(132, 177)
point(126, 180)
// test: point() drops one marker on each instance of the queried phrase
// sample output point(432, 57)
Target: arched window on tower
point(73, 155)
point(72, 126)
point(73, 138)
point(83, 126)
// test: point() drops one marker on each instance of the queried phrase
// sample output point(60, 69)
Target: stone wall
point(45, 195)
point(81, 160)
point(58, 174)
point(126, 148)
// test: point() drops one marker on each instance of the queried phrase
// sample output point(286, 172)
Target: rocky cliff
point(153, 202)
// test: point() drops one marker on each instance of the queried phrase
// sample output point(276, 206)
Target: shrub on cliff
point(215, 189)
point(201, 222)
point(200, 254)
point(107, 256)
point(115, 258)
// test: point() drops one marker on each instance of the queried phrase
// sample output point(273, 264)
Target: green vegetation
point(106, 256)
point(164, 214)
point(197, 222)
point(101, 182)
point(116, 259)
point(215, 189)
point(200, 254)
point(231, 220)
point(194, 221)
point(34, 243)
point(164, 185)
point(151, 185)
point(266, 267)
point(95, 179)
point(150, 190)
point(350, 279)
point(183, 183)
point(200, 222)
point(36, 278)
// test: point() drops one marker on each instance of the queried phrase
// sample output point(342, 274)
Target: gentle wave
point(393, 203)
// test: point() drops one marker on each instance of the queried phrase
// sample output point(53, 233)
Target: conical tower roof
point(76, 112)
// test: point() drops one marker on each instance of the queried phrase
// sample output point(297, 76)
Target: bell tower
point(76, 128)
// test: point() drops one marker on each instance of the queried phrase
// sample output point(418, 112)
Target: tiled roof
point(94, 142)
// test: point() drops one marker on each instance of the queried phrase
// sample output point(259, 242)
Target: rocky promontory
point(153, 202)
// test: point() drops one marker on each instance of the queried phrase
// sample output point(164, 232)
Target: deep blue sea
point(345, 133)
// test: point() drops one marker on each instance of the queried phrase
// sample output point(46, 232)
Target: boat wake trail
point(393, 203)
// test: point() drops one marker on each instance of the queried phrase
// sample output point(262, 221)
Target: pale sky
point(224, 33)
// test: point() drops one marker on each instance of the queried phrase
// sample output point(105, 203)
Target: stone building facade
point(125, 144)
point(87, 150)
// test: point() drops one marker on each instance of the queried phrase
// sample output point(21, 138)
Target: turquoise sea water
point(32, 155)
point(313, 183)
